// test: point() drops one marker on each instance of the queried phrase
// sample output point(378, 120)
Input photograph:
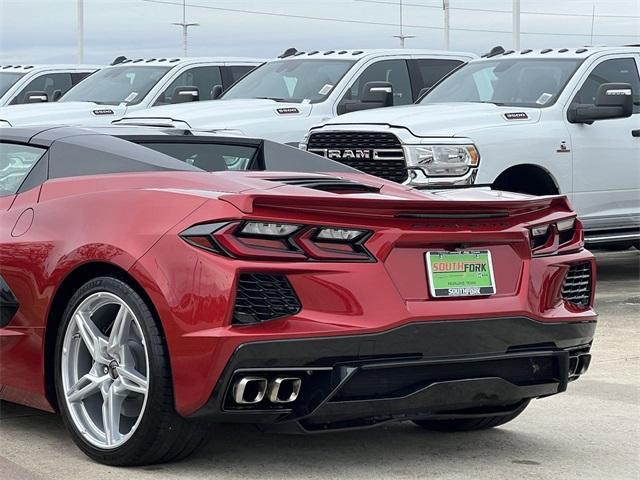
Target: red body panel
point(133, 221)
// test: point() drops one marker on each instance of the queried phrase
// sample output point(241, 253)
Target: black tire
point(162, 434)
point(470, 424)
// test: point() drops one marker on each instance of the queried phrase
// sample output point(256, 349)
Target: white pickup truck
point(539, 122)
point(285, 97)
point(39, 83)
point(132, 85)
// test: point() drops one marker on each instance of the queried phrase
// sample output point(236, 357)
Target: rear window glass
point(211, 157)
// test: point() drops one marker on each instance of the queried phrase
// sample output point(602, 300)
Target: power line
point(382, 24)
point(471, 9)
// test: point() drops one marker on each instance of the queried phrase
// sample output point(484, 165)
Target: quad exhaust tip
point(251, 390)
point(284, 390)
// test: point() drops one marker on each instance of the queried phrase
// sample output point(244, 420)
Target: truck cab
point(132, 85)
point(286, 96)
point(21, 84)
point(539, 122)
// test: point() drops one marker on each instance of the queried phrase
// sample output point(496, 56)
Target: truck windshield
point(519, 82)
point(291, 80)
point(116, 85)
point(7, 80)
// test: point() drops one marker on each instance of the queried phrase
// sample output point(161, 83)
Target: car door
point(21, 174)
point(204, 77)
point(55, 85)
point(393, 71)
point(606, 155)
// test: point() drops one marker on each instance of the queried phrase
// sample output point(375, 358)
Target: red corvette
point(145, 298)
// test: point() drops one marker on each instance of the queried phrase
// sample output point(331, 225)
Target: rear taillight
point(561, 236)
point(258, 240)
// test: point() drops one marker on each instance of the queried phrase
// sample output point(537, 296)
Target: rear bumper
point(425, 369)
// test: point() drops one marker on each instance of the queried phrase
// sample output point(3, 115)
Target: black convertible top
point(72, 152)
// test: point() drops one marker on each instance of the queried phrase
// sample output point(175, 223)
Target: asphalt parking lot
point(591, 432)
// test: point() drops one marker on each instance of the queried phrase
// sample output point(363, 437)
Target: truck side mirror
point(378, 93)
point(57, 95)
point(613, 100)
point(216, 91)
point(185, 94)
point(375, 95)
point(36, 97)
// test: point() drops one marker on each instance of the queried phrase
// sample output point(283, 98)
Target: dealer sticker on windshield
point(460, 274)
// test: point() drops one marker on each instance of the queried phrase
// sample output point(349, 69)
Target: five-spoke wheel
point(113, 380)
point(105, 367)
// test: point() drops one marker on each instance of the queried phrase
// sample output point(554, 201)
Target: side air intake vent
point(262, 296)
point(577, 285)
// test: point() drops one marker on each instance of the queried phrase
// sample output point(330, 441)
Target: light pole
point(516, 25)
point(185, 27)
point(447, 25)
point(402, 36)
point(80, 14)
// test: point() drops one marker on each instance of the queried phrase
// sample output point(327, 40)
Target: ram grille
point(375, 153)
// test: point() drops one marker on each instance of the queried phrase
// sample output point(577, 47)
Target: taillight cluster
point(561, 236)
point(258, 240)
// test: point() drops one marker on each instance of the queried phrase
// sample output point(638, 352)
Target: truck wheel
point(113, 381)
point(470, 424)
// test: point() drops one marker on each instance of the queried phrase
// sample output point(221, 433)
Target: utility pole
point(516, 25)
point(185, 27)
point(402, 36)
point(593, 17)
point(80, 14)
point(447, 25)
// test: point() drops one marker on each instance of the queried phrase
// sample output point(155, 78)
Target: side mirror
point(185, 94)
point(216, 91)
point(379, 93)
point(36, 97)
point(375, 95)
point(613, 100)
point(57, 95)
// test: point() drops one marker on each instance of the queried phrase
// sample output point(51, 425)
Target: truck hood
point(218, 114)
point(68, 113)
point(441, 119)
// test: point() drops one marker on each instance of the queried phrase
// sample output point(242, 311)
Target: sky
point(45, 31)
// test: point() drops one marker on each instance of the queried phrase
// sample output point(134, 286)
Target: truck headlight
point(443, 160)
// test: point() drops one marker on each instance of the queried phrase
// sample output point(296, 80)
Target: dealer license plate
point(460, 274)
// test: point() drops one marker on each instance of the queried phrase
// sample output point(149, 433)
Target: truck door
point(606, 155)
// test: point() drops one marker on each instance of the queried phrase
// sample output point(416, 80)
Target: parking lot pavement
point(590, 432)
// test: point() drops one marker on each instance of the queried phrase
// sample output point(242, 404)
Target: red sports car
point(144, 297)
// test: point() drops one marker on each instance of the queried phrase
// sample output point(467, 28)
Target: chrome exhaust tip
point(250, 390)
point(284, 389)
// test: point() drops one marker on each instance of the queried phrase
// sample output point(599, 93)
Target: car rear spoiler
point(381, 206)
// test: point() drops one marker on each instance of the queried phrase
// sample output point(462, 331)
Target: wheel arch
point(527, 178)
point(74, 280)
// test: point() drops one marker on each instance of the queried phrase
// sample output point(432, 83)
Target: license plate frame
point(456, 283)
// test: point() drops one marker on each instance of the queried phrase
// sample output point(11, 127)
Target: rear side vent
point(577, 285)
point(262, 296)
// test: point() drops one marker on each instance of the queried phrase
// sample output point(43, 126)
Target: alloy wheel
point(105, 370)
